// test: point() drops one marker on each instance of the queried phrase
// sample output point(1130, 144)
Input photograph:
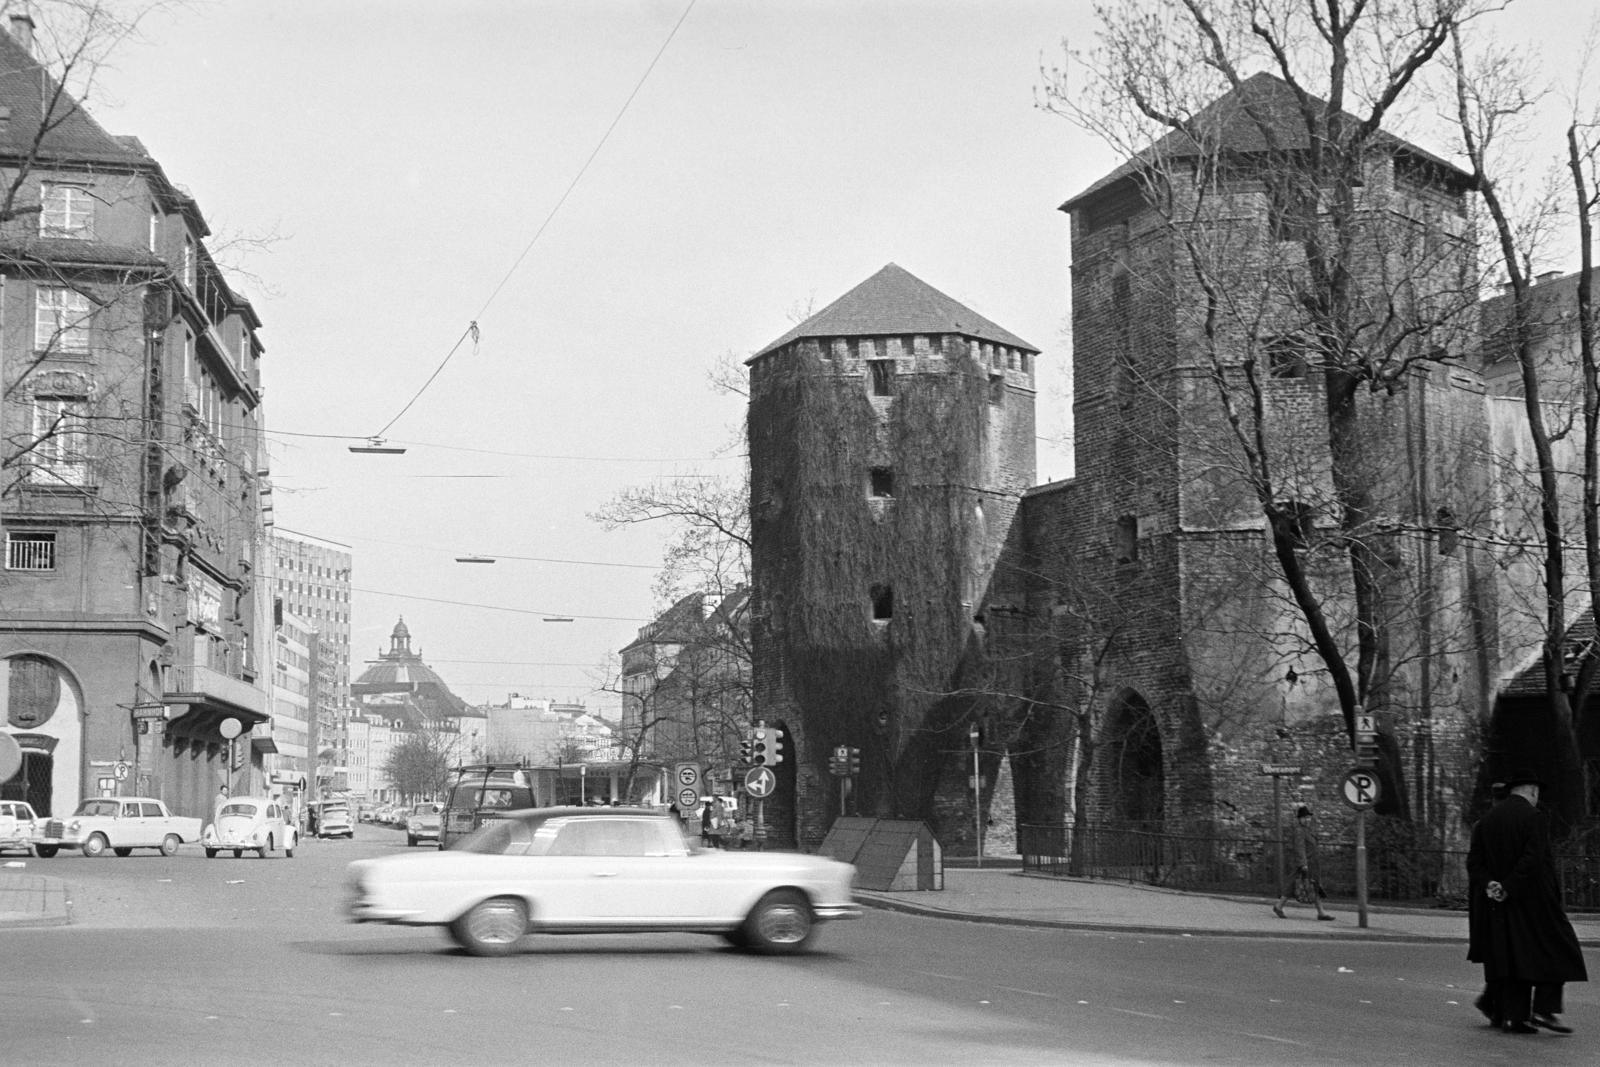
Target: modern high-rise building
point(310, 578)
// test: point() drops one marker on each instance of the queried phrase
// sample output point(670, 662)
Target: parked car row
point(122, 824)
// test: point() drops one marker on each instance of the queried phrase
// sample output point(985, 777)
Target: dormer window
point(66, 211)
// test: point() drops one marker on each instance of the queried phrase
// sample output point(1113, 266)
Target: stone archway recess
point(1133, 778)
point(43, 708)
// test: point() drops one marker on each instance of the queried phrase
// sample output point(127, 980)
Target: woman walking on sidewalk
point(1306, 885)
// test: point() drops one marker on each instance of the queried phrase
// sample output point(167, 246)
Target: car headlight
point(74, 825)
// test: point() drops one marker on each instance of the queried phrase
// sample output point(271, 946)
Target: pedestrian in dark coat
point(1518, 928)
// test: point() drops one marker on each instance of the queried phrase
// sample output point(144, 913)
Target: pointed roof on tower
point(895, 301)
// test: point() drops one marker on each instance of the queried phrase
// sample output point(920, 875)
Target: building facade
point(1124, 644)
point(131, 424)
point(686, 682)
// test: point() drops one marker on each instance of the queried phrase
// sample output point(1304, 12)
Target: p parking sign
point(1361, 788)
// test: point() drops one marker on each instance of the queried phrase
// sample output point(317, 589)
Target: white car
point(333, 820)
point(121, 824)
point(16, 825)
point(600, 870)
point(250, 824)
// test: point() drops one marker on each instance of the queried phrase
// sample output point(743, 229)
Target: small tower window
point(881, 482)
point(1449, 532)
point(1286, 357)
point(1126, 543)
point(1302, 520)
point(882, 371)
point(882, 603)
point(997, 389)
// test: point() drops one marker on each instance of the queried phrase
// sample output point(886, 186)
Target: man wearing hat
point(1517, 926)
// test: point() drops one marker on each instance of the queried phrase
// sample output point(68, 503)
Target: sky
point(411, 160)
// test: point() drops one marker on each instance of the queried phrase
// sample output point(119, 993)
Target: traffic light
point(855, 762)
point(747, 749)
point(839, 762)
point(774, 747)
point(761, 747)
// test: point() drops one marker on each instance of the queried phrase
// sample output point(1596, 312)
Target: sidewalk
point(32, 900)
point(1011, 897)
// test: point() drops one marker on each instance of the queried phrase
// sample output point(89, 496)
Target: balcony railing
point(194, 684)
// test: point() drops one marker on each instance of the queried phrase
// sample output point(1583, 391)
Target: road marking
point(1269, 1037)
point(1142, 1014)
point(1029, 992)
point(936, 974)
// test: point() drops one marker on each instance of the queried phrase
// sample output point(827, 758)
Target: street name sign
point(1282, 770)
point(760, 782)
point(1361, 788)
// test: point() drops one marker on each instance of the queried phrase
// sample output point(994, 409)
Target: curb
point(24, 921)
point(928, 911)
point(44, 900)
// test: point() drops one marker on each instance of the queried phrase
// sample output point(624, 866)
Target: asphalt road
point(185, 960)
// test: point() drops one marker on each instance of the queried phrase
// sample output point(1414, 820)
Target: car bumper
point(64, 841)
point(361, 912)
point(837, 911)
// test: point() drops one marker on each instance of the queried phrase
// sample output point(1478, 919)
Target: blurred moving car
point(482, 792)
point(121, 824)
point(601, 870)
point(423, 822)
point(250, 824)
point(17, 822)
point(333, 819)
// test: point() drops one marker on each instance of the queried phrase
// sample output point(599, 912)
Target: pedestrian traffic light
point(760, 747)
point(855, 762)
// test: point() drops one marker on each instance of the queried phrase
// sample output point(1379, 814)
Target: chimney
point(22, 31)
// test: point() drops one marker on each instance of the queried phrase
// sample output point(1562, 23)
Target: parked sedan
point(333, 820)
point(422, 823)
point(121, 824)
point(16, 825)
point(250, 824)
point(600, 870)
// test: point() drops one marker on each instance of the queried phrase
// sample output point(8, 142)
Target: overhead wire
point(498, 607)
point(472, 327)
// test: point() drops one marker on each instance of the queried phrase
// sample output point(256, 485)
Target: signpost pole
point(1361, 868)
point(761, 825)
point(1277, 823)
point(977, 795)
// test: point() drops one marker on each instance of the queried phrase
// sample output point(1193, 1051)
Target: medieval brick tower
point(891, 438)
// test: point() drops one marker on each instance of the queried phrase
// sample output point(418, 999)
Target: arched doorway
point(1134, 775)
point(44, 715)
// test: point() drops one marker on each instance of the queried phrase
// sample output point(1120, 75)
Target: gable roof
point(1232, 120)
point(894, 301)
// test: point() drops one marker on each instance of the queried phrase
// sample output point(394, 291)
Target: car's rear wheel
point(493, 927)
point(169, 844)
point(211, 853)
point(45, 852)
point(123, 852)
point(95, 846)
point(238, 852)
point(411, 842)
point(780, 923)
point(265, 851)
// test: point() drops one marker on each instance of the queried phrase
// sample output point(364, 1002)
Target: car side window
point(502, 837)
point(608, 837)
point(152, 811)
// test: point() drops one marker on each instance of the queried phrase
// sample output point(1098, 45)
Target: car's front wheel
point(493, 927)
point(169, 844)
point(95, 846)
point(780, 923)
point(46, 852)
point(211, 853)
point(123, 852)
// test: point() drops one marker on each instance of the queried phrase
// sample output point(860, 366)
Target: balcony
point(194, 684)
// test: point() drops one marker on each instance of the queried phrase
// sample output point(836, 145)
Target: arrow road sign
point(1361, 788)
point(760, 782)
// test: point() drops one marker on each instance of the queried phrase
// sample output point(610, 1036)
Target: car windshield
point(501, 837)
point(243, 811)
point(336, 813)
point(426, 809)
point(98, 807)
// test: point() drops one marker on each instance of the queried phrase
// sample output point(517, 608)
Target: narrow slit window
point(882, 603)
point(1286, 357)
point(997, 389)
point(882, 482)
point(1127, 539)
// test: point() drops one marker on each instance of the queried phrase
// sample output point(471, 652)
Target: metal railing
point(1246, 863)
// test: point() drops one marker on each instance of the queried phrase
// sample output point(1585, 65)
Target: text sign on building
point(1282, 770)
point(687, 775)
